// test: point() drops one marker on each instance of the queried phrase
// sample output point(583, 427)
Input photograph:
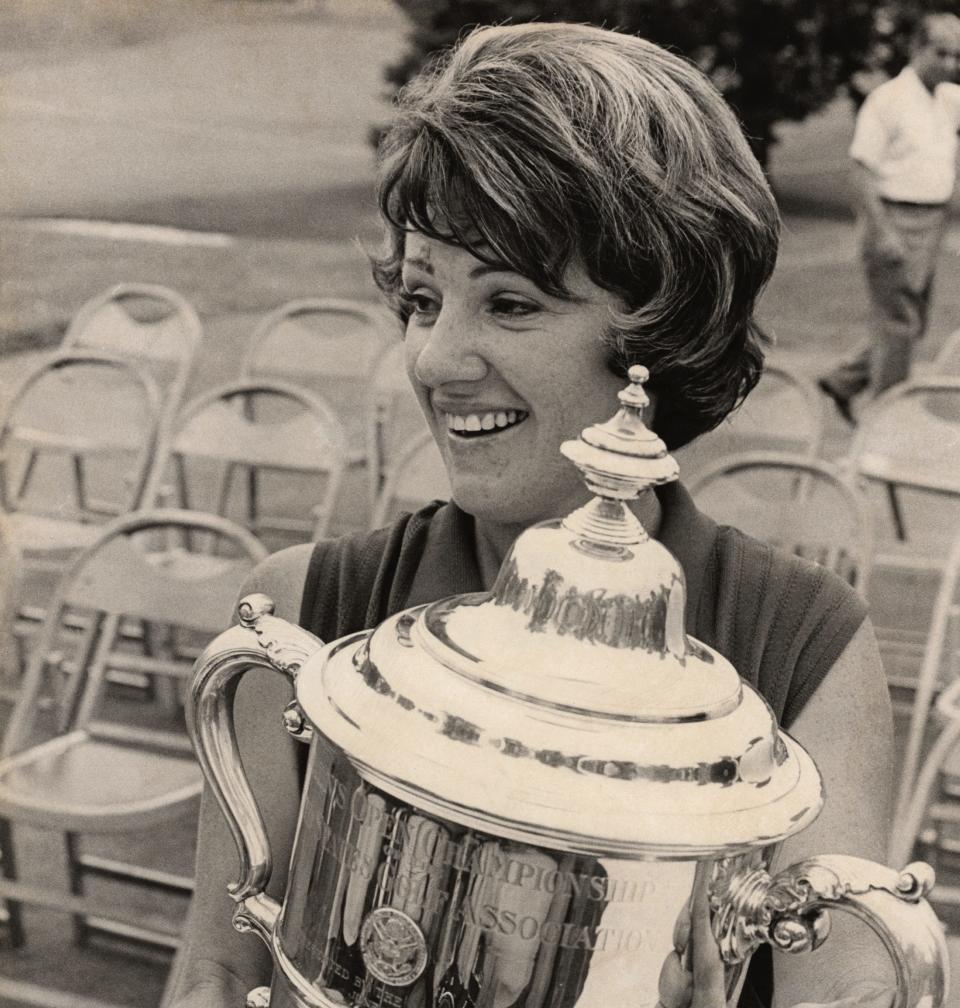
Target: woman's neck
point(494, 540)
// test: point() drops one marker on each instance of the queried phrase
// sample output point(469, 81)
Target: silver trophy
point(511, 796)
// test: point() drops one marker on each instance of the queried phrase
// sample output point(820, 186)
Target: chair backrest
point(138, 571)
point(328, 345)
point(144, 322)
point(947, 360)
point(11, 571)
point(285, 439)
point(417, 477)
point(800, 505)
point(781, 414)
point(394, 417)
point(910, 436)
point(940, 665)
point(78, 437)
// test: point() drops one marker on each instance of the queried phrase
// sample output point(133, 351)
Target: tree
point(893, 25)
point(773, 60)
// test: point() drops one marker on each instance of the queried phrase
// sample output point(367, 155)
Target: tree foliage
point(773, 60)
point(893, 25)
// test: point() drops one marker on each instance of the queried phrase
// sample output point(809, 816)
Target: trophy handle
point(788, 910)
point(261, 640)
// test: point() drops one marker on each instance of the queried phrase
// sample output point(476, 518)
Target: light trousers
point(899, 300)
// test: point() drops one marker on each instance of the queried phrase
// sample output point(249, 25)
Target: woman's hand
point(693, 974)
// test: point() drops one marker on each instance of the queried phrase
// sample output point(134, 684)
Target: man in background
point(904, 163)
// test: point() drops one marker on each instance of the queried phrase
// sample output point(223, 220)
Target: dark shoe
point(841, 401)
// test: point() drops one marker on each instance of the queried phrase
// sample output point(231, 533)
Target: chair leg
point(896, 513)
point(25, 477)
point(80, 482)
point(910, 819)
point(253, 508)
point(8, 866)
point(81, 930)
point(183, 493)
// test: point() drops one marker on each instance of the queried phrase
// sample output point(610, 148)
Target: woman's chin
point(486, 505)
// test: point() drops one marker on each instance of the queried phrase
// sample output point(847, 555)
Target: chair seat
point(919, 449)
point(219, 432)
point(46, 534)
point(76, 442)
point(185, 566)
point(63, 411)
point(80, 782)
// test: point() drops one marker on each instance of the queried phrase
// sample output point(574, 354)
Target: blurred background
point(224, 150)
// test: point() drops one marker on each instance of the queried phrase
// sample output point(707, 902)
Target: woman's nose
point(446, 351)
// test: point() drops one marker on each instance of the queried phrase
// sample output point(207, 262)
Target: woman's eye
point(418, 302)
point(513, 307)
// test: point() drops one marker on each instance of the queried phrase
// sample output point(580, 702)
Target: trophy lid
point(568, 707)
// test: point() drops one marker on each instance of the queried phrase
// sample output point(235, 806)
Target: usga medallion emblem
point(393, 947)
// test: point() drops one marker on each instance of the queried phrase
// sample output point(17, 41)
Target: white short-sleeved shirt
point(908, 138)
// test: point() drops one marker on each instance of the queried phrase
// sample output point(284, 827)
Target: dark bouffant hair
point(536, 145)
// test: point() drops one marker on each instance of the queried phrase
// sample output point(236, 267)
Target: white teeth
point(475, 422)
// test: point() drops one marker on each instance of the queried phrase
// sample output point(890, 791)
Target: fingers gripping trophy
point(513, 798)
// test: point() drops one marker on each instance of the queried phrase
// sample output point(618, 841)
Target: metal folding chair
point(909, 437)
point(947, 360)
point(394, 415)
point(79, 758)
point(782, 414)
point(11, 658)
point(76, 443)
point(147, 323)
point(417, 477)
point(286, 441)
point(939, 674)
point(801, 505)
point(332, 347)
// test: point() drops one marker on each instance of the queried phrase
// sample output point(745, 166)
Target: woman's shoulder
point(281, 577)
point(337, 571)
point(285, 576)
point(782, 620)
point(748, 560)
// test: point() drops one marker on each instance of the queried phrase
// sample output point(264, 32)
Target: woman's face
point(504, 374)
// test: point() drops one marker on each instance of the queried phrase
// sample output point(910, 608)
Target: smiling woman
point(483, 340)
point(624, 163)
point(562, 202)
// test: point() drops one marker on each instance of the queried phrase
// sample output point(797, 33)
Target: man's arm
point(871, 139)
point(217, 967)
point(882, 236)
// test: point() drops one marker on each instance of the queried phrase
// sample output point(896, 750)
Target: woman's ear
point(651, 411)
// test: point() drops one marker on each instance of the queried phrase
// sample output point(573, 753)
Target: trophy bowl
point(512, 797)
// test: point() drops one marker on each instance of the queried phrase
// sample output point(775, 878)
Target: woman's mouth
point(473, 425)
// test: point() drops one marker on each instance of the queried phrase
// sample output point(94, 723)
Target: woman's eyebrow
point(420, 264)
point(484, 268)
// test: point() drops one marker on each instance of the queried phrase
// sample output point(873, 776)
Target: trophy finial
point(618, 460)
point(634, 394)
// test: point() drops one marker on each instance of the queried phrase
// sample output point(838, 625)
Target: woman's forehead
point(428, 255)
point(422, 250)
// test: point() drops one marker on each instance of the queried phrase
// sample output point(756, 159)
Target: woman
point(561, 202)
